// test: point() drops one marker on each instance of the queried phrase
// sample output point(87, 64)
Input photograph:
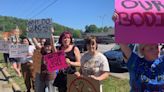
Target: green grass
point(112, 84)
point(18, 80)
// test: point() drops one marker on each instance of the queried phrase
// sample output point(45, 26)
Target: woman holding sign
point(93, 63)
point(72, 59)
point(147, 73)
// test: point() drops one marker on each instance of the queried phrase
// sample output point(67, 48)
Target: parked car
point(115, 57)
point(104, 40)
point(57, 44)
point(81, 44)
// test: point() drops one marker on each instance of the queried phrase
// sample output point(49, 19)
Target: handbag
point(60, 80)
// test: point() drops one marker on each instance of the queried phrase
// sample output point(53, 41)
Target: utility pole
point(102, 19)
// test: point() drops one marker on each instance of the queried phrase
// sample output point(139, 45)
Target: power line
point(35, 8)
point(44, 9)
point(20, 8)
point(102, 19)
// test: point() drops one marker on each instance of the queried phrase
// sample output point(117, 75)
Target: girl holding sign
point(46, 76)
point(14, 39)
point(93, 63)
point(26, 65)
point(72, 59)
point(44, 79)
point(147, 72)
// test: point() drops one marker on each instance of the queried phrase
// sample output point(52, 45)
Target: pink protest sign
point(55, 61)
point(139, 21)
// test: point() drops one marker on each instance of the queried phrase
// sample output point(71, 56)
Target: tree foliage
point(94, 29)
point(91, 28)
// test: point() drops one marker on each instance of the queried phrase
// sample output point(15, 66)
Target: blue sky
point(72, 13)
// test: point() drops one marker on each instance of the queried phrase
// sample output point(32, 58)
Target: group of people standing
point(98, 70)
point(92, 63)
point(146, 73)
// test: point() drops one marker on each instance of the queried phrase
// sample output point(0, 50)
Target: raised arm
point(126, 51)
point(17, 39)
point(36, 43)
point(124, 47)
point(115, 16)
point(53, 41)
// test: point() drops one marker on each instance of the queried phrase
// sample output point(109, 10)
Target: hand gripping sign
point(55, 61)
point(82, 84)
point(139, 21)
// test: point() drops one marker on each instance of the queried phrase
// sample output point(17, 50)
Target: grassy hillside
point(8, 23)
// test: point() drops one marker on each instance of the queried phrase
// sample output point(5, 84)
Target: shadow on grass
point(7, 77)
point(3, 79)
point(118, 70)
point(2, 61)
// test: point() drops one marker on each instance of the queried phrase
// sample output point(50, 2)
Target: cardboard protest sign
point(37, 57)
point(82, 84)
point(55, 61)
point(139, 21)
point(18, 50)
point(4, 46)
point(40, 28)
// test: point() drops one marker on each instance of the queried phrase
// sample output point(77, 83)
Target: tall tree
point(91, 29)
point(106, 29)
point(76, 34)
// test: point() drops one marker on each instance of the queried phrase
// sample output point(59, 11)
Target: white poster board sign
point(18, 50)
point(40, 28)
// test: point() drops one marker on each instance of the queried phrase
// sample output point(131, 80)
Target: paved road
point(124, 75)
point(4, 86)
point(105, 47)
